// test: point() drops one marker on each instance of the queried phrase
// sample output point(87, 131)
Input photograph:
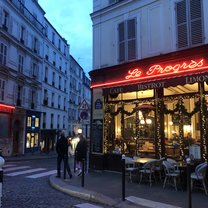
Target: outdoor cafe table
point(142, 161)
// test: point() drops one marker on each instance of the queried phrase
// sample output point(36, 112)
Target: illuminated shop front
point(155, 107)
point(32, 142)
point(6, 142)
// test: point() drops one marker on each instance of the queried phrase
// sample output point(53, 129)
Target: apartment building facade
point(148, 80)
point(34, 79)
point(79, 91)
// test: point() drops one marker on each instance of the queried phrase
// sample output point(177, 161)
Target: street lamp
point(79, 131)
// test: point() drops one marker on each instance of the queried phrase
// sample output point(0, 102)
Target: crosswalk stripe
point(11, 165)
point(87, 205)
point(148, 203)
point(15, 168)
point(24, 172)
point(42, 174)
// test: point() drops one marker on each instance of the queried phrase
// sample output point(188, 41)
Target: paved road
point(26, 185)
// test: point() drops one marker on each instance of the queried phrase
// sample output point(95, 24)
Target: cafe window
point(181, 130)
point(181, 89)
point(36, 122)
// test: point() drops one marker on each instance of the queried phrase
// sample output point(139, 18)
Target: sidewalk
point(106, 188)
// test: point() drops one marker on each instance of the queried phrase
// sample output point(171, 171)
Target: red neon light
point(156, 71)
point(7, 106)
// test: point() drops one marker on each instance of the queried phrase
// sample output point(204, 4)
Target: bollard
point(123, 177)
point(2, 161)
point(188, 162)
point(83, 171)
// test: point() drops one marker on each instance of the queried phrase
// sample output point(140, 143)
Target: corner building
point(149, 80)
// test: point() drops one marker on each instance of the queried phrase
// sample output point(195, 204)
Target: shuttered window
point(127, 40)
point(189, 23)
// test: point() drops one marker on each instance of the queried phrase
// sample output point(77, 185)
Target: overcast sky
point(71, 18)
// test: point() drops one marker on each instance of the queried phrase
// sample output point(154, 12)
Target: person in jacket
point(81, 153)
point(62, 151)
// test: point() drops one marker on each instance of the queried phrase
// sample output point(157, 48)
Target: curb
point(80, 192)
point(88, 195)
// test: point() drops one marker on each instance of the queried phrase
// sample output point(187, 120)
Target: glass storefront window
point(188, 88)
point(190, 132)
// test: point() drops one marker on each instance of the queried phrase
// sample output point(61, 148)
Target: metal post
point(123, 177)
point(2, 161)
point(188, 162)
point(83, 171)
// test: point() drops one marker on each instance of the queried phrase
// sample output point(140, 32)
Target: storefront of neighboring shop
point(155, 107)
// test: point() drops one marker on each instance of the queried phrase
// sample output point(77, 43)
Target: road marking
point(7, 166)
point(149, 203)
point(42, 174)
point(87, 205)
point(15, 168)
point(24, 172)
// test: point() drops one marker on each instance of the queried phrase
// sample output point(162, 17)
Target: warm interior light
point(142, 121)
point(148, 121)
point(170, 123)
point(79, 131)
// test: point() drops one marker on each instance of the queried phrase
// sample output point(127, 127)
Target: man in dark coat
point(62, 151)
point(81, 153)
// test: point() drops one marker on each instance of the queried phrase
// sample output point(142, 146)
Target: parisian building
point(149, 80)
point(35, 73)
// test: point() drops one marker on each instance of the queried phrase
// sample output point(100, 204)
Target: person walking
point(62, 151)
point(81, 153)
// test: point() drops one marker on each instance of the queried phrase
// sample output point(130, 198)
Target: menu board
point(97, 136)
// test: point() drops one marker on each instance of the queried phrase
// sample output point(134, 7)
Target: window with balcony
point(127, 40)
point(2, 89)
point(3, 54)
point(21, 63)
point(189, 23)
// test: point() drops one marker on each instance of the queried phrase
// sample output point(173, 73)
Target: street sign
point(84, 105)
point(83, 115)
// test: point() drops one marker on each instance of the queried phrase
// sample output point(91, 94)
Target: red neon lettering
point(158, 69)
point(133, 74)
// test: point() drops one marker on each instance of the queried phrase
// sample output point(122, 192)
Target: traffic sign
point(83, 115)
point(84, 105)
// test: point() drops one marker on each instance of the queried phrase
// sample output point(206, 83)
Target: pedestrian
point(62, 151)
point(81, 153)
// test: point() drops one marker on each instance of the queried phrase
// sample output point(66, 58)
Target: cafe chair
point(130, 167)
point(159, 167)
point(171, 174)
point(200, 175)
point(148, 171)
point(174, 163)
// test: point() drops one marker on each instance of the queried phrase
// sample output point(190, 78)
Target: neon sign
point(7, 106)
point(156, 70)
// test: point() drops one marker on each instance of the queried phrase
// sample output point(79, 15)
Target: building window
point(47, 52)
point(46, 30)
point(59, 101)
point(52, 120)
point(36, 122)
point(52, 100)
point(189, 23)
point(59, 82)
point(58, 121)
point(60, 60)
point(53, 37)
point(5, 20)
point(127, 40)
point(3, 54)
point(21, 63)
point(53, 79)
point(29, 121)
point(22, 34)
point(59, 44)
point(54, 58)
point(46, 74)
point(2, 89)
point(35, 70)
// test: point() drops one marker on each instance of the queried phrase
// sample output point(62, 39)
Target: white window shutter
point(182, 24)
point(131, 35)
point(121, 42)
point(196, 22)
